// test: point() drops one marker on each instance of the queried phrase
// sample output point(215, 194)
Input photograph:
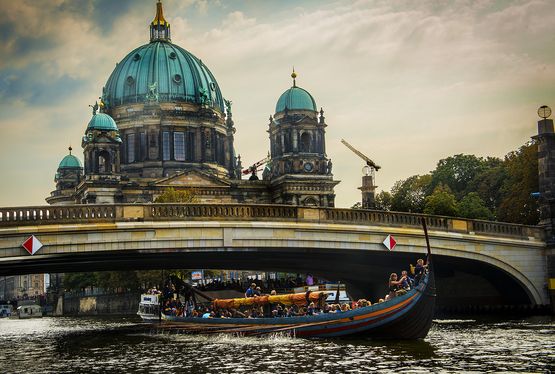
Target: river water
point(118, 345)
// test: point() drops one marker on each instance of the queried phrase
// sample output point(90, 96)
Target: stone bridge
point(477, 262)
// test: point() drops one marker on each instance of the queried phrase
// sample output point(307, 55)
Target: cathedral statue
point(203, 95)
point(228, 106)
point(94, 107)
point(152, 94)
point(330, 165)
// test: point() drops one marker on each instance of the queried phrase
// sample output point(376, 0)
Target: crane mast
point(368, 187)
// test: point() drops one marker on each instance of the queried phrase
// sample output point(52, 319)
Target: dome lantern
point(159, 27)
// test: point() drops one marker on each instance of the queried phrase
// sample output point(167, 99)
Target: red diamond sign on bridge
point(32, 245)
point(390, 242)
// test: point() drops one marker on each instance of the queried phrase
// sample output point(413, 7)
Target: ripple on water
point(97, 345)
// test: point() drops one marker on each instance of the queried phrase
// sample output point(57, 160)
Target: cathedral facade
point(162, 122)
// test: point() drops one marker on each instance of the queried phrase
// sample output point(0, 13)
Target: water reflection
point(75, 345)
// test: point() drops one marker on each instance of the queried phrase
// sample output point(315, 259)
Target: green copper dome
point(164, 72)
point(296, 98)
point(70, 162)
point(102, 122)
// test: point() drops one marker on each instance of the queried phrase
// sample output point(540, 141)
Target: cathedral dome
point(296, 98)
point(102, 122)
point(163, 69)
point(70, 162)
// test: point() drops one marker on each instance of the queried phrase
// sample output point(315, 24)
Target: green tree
point(409, 195)
point(117, 281)
point(150, 278)
point(172, 195)
point(79, 281)
point(522, 168)
point(457, 172)
point(441, 202)
point(384, 201)
point(472, 206)
point(489, 185)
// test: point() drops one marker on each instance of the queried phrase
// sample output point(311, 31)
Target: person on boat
point(208, 314)
point(258, 291)
point(250, 290)
point(419, 271)
point(406, 281)
point(311, 310)
point(309, 280)
point(394, 286)
point(345, 308)
point(292, 312)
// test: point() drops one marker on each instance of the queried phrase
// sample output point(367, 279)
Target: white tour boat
point(149, 307)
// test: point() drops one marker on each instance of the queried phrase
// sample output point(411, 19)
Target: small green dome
point(102, 122)
point(70, 162)
point(296, 98)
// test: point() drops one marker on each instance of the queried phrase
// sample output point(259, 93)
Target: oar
point(429, 258)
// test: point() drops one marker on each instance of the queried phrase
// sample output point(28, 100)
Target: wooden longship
point(407, 316)
point(404, 317)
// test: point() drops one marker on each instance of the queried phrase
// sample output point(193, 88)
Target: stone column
point(546, 174)
point(368, 192)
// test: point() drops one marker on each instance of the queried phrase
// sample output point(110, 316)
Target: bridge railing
point(376, 217)
point(163, 212)
point(47, 215)
point(44, 215)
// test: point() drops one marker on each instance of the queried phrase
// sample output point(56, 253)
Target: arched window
point(310, 201)
point(305, 142)
point(104, 163)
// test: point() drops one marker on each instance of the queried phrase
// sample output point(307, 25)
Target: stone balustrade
point(47, 215)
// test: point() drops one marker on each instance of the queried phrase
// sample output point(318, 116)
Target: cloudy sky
point(406, 82)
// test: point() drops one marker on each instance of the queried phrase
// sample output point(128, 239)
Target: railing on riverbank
point(82, 214)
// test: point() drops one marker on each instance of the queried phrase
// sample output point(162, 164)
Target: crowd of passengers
point(175, 307)
point(400, 286)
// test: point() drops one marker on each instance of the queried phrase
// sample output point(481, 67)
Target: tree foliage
point(384, 201)
point(522, 168)
point(172, 195)
point(409, 195)
point(484, 188)
point(79, 281)
point(441, 202)
point(472, 206)
point(457, 172)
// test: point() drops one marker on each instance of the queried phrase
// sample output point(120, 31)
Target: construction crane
point(359, 154)
point(254, 168)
